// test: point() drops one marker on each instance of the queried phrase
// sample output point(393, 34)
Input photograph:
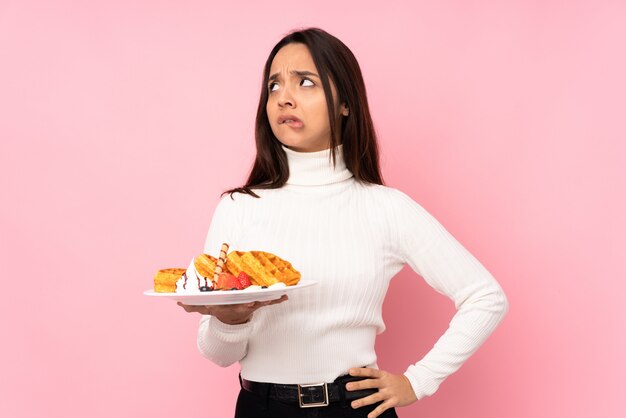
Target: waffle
point(264, 269)
point(205, 265)
point(165, 280)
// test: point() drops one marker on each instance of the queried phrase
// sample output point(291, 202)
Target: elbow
point(504, 303)
point(216, 359)
point(501, 305)
point(490, 299)
point(497, 301)
point(221, 362)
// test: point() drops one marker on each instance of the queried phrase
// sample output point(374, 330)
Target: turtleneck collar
point(316, 168)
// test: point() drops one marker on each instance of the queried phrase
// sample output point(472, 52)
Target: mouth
point(291, 121)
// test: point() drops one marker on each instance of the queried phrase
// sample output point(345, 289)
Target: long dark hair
point(360, 150)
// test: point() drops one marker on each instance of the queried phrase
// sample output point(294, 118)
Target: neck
point(316, 168)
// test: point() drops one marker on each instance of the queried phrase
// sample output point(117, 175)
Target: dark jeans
point(251, 405)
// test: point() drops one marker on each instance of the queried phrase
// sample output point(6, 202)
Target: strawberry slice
point(226, 281)
point(244, 279)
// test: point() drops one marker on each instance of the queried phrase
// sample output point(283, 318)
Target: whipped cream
point(251, 287)
point(255, 287)
point(191, 281)
point(277, 285)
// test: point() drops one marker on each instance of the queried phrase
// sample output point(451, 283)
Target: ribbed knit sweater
point(352, 238)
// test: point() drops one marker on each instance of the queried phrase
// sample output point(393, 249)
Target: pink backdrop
point(121, 123)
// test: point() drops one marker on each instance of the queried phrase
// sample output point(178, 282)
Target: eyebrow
point(300, 73)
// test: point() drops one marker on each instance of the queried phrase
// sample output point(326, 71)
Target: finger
point(368, 400)
point(204, 310)
point(365, 372)
point(258, 305)
point(379, 410)
point(275, 301)
point(185, 307)
point(364, 384)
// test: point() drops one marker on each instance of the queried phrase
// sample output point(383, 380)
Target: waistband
point(309, 395)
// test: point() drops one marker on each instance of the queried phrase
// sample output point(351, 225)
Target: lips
point(290, 120)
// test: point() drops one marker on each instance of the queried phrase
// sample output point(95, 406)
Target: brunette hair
point(333, 60)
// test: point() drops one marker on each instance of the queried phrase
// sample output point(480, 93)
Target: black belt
point(310, 395)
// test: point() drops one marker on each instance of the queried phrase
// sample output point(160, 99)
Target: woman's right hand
point(231, 314)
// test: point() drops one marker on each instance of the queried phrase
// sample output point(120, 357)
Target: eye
point(306, 79)
point(270, 87)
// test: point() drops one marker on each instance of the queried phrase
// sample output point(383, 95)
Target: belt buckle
point(314, 392)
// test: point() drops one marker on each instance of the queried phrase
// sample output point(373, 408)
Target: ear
point(344, 109)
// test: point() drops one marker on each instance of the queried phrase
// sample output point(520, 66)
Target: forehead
point(293, 56)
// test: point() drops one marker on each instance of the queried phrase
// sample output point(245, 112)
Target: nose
point(285, 98)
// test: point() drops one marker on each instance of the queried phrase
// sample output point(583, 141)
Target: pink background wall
point(121, 122)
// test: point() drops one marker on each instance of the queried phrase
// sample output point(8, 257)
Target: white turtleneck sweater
point(351, 238)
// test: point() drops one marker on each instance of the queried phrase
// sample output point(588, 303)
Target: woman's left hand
point(393, 390)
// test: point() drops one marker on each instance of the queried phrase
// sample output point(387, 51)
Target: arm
point(450, 269)
point(222, 343)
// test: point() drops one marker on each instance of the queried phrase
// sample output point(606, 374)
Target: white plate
point(231, 297)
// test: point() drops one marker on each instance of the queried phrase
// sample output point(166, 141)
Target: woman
point(315, 197)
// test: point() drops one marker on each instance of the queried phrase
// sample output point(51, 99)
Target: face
point(296, 104)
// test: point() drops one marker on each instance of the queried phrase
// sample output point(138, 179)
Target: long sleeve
point(323, 220)
point(450, 269)
point(221, 343)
